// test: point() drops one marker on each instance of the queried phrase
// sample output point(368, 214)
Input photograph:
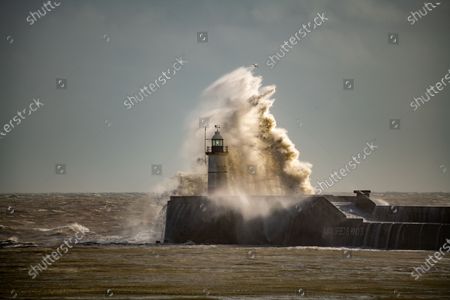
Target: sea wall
point(311, 222)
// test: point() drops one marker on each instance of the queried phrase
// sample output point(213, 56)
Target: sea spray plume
point(182, 183)
point(251, 207)
point(241, 105)
point(150, 226)
point(191, 184)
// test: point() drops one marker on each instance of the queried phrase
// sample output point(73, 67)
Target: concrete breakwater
point(329, 221)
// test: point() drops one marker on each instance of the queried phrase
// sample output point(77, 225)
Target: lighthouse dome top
point(217, 136)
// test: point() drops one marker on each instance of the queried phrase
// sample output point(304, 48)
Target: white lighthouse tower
point(217, 163)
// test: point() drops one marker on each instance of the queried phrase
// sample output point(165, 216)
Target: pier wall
point(313, 222)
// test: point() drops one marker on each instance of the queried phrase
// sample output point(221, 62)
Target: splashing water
point(241, 105)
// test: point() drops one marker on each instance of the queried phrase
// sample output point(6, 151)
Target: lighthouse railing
point(209, 149)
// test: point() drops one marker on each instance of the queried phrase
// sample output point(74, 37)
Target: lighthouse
point(217, 163)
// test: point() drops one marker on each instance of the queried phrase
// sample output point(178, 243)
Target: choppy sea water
point(118, 259)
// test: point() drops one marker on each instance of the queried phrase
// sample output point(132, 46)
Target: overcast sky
point(108, 49)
